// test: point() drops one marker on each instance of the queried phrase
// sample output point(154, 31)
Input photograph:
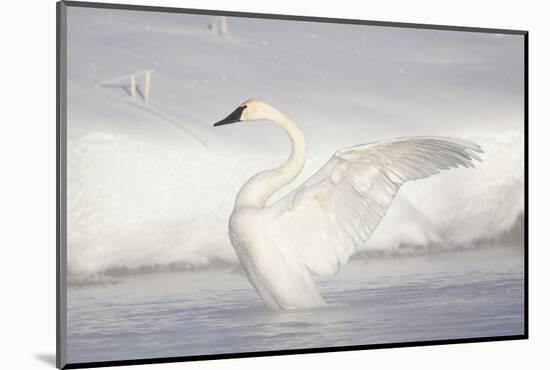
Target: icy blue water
point(459, 294)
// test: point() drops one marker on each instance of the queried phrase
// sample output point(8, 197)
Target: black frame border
point(61, 177)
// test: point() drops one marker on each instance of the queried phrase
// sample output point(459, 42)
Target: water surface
point(461, 294)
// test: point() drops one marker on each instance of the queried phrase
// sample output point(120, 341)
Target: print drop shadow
point(47, 358)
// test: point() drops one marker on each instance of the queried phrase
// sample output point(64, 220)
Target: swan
point(319, 225)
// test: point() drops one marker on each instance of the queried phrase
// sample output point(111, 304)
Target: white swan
point(319, 225)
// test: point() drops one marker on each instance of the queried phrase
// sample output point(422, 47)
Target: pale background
point(28, 189)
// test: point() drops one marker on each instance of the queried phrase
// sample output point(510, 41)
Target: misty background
point(144, 194)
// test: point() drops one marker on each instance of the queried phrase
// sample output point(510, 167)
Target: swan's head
point(250, 110)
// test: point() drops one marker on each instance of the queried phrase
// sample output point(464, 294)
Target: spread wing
point(325, 220)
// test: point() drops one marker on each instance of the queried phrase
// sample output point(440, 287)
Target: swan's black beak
point(233, 117)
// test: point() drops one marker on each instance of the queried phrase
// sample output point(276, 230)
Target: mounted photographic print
point(238, 184)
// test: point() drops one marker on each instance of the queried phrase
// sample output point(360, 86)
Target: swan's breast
point(247, 227)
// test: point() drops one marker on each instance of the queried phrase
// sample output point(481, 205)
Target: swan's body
point(318, 226)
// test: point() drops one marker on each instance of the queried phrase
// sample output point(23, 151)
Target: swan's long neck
point(258, 189)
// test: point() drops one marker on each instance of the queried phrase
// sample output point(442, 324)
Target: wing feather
point(334, 212)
